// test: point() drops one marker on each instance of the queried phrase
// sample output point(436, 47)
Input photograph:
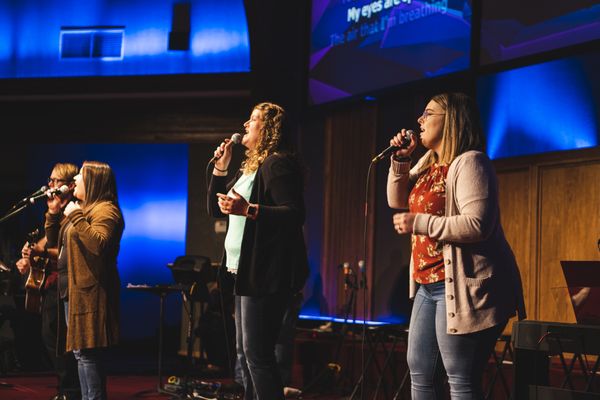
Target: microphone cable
point(221, 286)
point(363, 270)
point(362, 264)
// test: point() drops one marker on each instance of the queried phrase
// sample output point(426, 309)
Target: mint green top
point(235, 232)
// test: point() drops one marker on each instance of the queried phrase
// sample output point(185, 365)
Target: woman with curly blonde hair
point(264, 245)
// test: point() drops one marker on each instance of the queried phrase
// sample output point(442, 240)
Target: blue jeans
point(91, 373)
point(284, 349)
point(431, 349)
point(258, 321)
point(92, 378)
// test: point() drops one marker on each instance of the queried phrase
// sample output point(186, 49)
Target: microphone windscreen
point(236, 138)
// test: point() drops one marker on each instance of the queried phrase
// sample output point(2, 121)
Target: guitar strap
point(61, 261)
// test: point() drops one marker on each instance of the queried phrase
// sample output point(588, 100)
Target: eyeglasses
point(426, 114)
point(56, 180)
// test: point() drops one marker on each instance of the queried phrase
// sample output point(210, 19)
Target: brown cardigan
point(483, 284)
point(92, 248)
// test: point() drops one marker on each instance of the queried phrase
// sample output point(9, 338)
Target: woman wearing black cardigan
point(264, 246)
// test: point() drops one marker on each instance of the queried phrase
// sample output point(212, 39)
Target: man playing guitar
point(52, 309)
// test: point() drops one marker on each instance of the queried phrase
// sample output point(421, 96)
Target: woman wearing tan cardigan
point(469, 283)
point(88, 234)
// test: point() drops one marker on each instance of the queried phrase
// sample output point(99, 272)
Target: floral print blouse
point(428, 196)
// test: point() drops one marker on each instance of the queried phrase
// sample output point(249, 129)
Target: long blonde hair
point(462, 128)
point(274, 118)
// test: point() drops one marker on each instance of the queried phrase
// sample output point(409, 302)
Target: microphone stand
point(26, 202)
point(363, 280)
point(334, 367)
point(14, 211)
point(362, 264)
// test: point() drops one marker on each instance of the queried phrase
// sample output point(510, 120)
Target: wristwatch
point(252, 211)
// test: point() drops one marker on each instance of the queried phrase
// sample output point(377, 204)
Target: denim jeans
point(92, 378)
point(431, 350)
point(284, 349)
point(91, 373)
point(258, 321)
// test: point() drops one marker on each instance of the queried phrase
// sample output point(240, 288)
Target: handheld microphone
point(49, 193)
point(39, 191)
point(236, 138)
point(362, 269)
point(347, 272)
point(405, 143)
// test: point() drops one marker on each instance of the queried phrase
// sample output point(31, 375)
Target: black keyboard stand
point(377, 338)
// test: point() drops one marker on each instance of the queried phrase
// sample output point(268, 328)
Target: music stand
point(583, 284)
point(190, 273)
point(162, 291)
point(193, 272)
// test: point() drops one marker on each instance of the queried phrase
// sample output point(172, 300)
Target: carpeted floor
point(43, 387)
point(121, 387)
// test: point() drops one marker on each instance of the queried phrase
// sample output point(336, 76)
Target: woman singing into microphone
point(264, 245)
point(88, 234)
point(468, 281)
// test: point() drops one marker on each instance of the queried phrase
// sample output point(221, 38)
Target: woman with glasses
point(88, 234)
point(466, 274)
point(264, 245)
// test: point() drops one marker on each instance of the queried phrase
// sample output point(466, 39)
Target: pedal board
point(197, 389)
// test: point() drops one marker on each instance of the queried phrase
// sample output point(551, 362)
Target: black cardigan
point(273, 254)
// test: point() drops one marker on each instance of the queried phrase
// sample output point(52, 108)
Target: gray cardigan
point(483, 284)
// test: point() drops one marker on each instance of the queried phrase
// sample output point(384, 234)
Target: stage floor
point(122, 387)
point(43, 387)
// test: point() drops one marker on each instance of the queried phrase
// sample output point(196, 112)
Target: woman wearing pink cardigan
point(465, 281)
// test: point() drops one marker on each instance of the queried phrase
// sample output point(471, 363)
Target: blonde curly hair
point(273, 117)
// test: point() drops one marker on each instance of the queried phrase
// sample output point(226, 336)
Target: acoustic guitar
point(34, 286)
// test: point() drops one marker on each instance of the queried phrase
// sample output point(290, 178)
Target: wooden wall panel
point(516, 198)
point(550, 207)
point(569, 229)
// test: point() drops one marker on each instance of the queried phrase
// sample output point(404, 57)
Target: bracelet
point(220, 170)
point(252, 211)
point(401, 159)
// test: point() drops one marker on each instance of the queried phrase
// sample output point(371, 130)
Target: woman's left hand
point(234, 204)
point(72, 206)
point(403, 222)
